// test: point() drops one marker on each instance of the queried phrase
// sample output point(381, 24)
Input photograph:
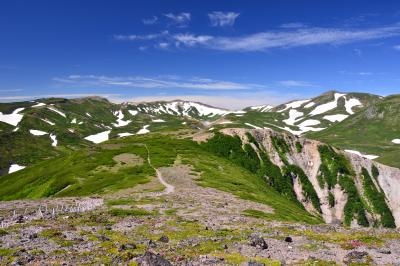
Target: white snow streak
point(323, 108)
point(367, 156)
point(334, 118)
point(144, 130)
point(37, 132)
point(57, 111)
point(15, 167)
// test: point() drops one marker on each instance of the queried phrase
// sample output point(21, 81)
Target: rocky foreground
point(191, 225)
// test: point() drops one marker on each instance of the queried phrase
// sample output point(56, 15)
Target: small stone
point(152, 244)
point(288, 239)
point(225, 246)
point(384, 251)
point(254, 263)
point(103, 238)
point(108, 227)
point(257, 241)
point(164, 239)
point(356, 257)
point(33, 236)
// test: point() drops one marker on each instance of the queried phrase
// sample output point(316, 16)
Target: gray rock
point(151, 259)
point(257, 241)
point(356, 257)
point(164, 239)
point(254, 263)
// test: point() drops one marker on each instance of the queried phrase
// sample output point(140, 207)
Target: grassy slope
point(76, 174)
point(370, 130)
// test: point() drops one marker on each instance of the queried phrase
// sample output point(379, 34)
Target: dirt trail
point(168, 187)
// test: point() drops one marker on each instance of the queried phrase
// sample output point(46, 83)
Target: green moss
point(336, 169)
point(375, 171)
point(299, 147)
point(129, 212)
point(331, 199)
point(378, 201)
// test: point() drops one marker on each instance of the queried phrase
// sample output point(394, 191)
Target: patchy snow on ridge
point(37, 132)
point(349, 104)
point(144, 130)
point(14, 118)
point(121, 135)
point(253, 126)
point(73, 121)
point(293, 115)
point(262, 108)
point(396, 141)
point(323, 108)
point(334, 118)
point(54, 140)
point(367, 156)
point(38, 105)
point(89, 115)
point(120, 121)
point(158, 121)
point(99, 137)
point(48, 121)
point(15, 167)
point(57, 111)
point(295, 104)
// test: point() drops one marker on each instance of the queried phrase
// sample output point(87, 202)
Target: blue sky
point(226, 53)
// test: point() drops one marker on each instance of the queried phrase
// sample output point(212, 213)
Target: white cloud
point(150, 21)
point(397, 47)
point(295, 83)
point(159, 82)
point(180, 20)
point(191, 40)
point(222, 19)
point(61, 95)
point(284, 38)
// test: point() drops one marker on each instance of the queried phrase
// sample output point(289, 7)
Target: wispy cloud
point(295, 83)
point(150, 21)
point(71, 95)
point(159, 82)
point(397, 47)
point(293, 25)
point(222, 19)
point(181, 20)
point(10, 90)
point(285, 38)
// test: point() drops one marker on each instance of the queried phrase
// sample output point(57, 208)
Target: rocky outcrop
point(305, 154)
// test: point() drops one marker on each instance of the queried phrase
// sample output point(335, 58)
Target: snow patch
point(158, 121)
point(295, 104)
point(38, 105)
point(99, 137)
point(54, 140)
point(293, 115)
point(37, 132)
point(310, 104)
point(396, 141)
point(262, 108)
point(89, 115)
point(323, 108)
point(57, 111)
point(121, 135)
point(253, 126)
point(349, 104)
point(120, 121)
point(335, 118)
point(133, 112)
point(144, 130)
point(14, 118)
point(367, 156)
point(15, 167)
point(48, 121)
point(73, 121)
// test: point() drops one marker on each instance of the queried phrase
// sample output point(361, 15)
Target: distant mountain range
point(36, 130)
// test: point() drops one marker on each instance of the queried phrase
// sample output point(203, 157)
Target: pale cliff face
point(309, 160)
